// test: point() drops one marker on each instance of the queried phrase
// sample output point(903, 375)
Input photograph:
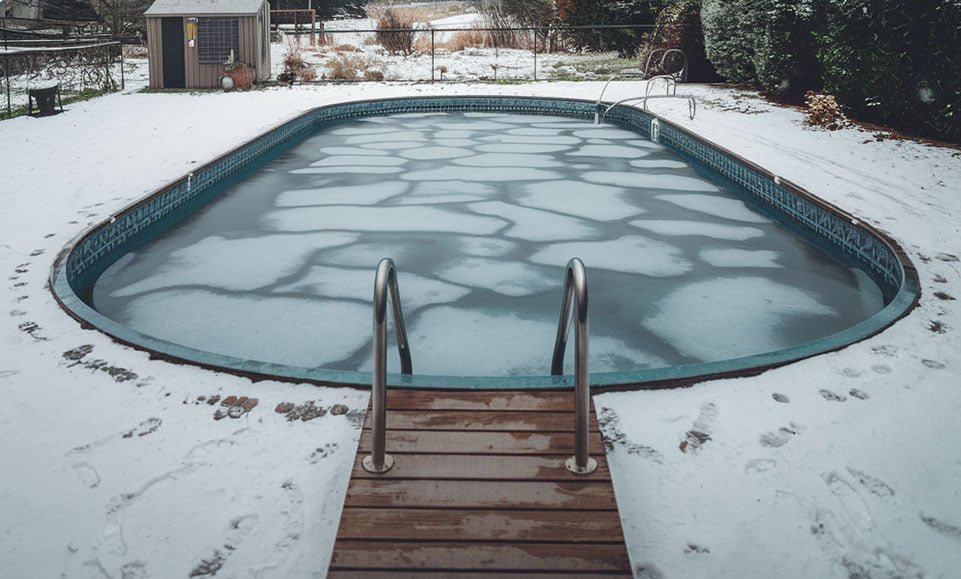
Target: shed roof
point(204, 7)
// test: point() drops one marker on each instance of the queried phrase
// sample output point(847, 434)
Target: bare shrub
point(296, 68)
point(395, 32)
point(353, 67)
point(824, 111)
point(345, 67)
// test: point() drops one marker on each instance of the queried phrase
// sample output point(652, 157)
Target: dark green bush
point(896, 63)
point(785, 50)
point(593, 12)
point(766, 42)
point(727, 39)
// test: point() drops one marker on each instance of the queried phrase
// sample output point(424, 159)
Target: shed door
point(172, 36)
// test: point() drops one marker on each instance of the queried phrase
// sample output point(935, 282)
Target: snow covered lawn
point(116, 465)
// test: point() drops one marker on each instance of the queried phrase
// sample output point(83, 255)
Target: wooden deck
point(479, 489)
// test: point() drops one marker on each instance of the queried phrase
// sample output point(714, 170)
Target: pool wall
point(847, 239)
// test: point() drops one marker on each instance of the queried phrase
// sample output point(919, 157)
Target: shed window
point(216, 37)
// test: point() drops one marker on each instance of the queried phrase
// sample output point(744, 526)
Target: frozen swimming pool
point(726, 244)
point(481, 212)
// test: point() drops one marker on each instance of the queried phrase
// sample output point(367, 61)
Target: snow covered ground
point(843, 465)
point(449, 63)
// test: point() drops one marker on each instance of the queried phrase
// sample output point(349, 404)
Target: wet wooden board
point(479, 467)
point(479, 525)
point(479, 489)
point(450, 494)
point(455, 556)
point(447, 441)
point(530, 400)
point(432, 574)
point(500, 420)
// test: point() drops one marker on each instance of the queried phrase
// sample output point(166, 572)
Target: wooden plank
point(482, 467)
point(394, 574)
point(534, 400)
point(349, 554)
point(479, 489)
point(481, 525)
point(581, 494)
point(460, 442)
point(475, 420)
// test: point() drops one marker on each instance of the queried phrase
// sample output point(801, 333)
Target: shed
point(190, 41)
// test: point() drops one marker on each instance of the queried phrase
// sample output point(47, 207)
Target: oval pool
point(266, 264)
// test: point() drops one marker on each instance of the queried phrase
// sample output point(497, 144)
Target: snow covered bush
point(896, 62)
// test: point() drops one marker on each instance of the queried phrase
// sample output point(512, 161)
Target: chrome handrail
point(385, 282)
point(600, 97)
point(680, 74)
point(650, 57)
point(575, 297)
point(669, 83)
point(691, 104)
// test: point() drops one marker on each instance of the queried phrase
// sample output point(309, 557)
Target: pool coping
point(847, 238)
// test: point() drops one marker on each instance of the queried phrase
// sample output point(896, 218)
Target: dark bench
point(46, 97)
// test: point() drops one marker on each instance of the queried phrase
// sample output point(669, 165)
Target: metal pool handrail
point(575, 290)
point(691, 104)
point(385, 282)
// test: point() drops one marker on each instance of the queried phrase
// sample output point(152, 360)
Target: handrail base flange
point(571, 465)
point(369, 466)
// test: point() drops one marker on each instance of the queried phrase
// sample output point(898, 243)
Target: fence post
point(431, 55)
point(534, 35)
point(107, 81)
point(6, 74)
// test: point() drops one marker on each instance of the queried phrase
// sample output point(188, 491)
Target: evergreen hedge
point(896, 62)
point(768, 42)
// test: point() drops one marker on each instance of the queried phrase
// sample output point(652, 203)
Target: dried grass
point(353, 66)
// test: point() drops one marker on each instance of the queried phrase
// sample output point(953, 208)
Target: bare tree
point(122, 17)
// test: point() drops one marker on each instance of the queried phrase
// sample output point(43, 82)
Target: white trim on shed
point(204, 8)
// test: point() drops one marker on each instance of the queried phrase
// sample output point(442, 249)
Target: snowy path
point(842, 465)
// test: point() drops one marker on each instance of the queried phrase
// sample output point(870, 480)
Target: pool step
point(479, 488)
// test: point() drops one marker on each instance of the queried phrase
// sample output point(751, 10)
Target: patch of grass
point(14, 112)
point(599, 65)
point(66, 99)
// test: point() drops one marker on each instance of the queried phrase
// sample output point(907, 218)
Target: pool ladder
point(670, 92)
point(575, 299)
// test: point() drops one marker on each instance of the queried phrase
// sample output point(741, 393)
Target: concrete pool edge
point(101, 244)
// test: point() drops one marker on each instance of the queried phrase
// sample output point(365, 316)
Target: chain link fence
point(459, 54)
point(79, 70)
